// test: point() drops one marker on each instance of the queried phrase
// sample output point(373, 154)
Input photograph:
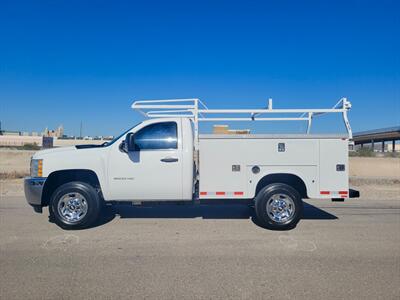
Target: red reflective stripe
point(343, 192)
point(222, 193)
point(325, 192)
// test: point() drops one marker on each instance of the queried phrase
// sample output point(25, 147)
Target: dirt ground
point(376, 178)
point(383, 167)
point(15, 160)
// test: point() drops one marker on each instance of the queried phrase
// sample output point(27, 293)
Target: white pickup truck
point(164, 158)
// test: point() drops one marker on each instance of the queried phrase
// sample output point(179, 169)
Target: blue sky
point(66, 61)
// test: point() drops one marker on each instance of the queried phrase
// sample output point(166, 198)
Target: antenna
point(270, 103)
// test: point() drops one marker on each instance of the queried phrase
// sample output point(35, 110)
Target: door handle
point(169, 159)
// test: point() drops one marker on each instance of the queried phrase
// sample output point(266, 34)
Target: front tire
point(75, 205)
point(278, 206)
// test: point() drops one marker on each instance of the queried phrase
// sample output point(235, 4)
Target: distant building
point(10, 132)
point(59, 132)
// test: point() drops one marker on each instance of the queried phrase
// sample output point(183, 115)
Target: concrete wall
point(15, 140)
point(9, 140)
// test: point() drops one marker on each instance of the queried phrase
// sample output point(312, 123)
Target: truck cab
point(158, 166)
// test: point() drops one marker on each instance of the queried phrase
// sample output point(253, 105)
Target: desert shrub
point(29, 146)
point(363, 152)
point(13, 175)
point(392, 154)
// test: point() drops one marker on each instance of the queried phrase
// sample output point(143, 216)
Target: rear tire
point(75, 205)
point(278, 206)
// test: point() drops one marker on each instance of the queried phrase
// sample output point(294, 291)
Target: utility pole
point(80, 132)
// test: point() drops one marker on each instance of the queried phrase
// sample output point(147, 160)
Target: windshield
point(118, 137)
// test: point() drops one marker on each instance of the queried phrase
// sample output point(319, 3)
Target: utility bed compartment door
point(222, 169)
point(334, 168)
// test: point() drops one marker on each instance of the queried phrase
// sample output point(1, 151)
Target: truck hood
point(42, 153)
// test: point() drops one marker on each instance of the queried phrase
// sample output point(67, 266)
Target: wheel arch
point(57, 178)
point(287, 178)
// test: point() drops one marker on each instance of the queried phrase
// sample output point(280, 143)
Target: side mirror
point(130, 142)
point(122, 147)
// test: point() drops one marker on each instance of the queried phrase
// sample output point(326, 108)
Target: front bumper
point(33, 187)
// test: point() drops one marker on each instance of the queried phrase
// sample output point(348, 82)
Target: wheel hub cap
point(72, 207)
point(280, 208)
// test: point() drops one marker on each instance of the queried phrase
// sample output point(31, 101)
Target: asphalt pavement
point(339, 250)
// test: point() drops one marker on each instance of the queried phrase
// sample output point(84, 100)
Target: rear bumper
point(352, 194)
point(33, 187)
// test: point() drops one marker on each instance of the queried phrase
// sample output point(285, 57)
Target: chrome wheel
point(72, 207)
point(280, 208)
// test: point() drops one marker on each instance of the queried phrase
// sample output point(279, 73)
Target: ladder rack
point(197, 111)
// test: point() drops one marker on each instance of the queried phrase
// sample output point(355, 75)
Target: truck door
point(154, 170)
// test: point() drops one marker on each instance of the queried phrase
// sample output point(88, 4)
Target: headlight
point(36, 167)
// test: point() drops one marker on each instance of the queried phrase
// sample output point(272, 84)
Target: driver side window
point(157, 136)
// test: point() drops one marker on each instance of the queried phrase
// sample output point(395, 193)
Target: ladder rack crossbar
point(268, 111)
point(166, 106)
point(250, 119)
